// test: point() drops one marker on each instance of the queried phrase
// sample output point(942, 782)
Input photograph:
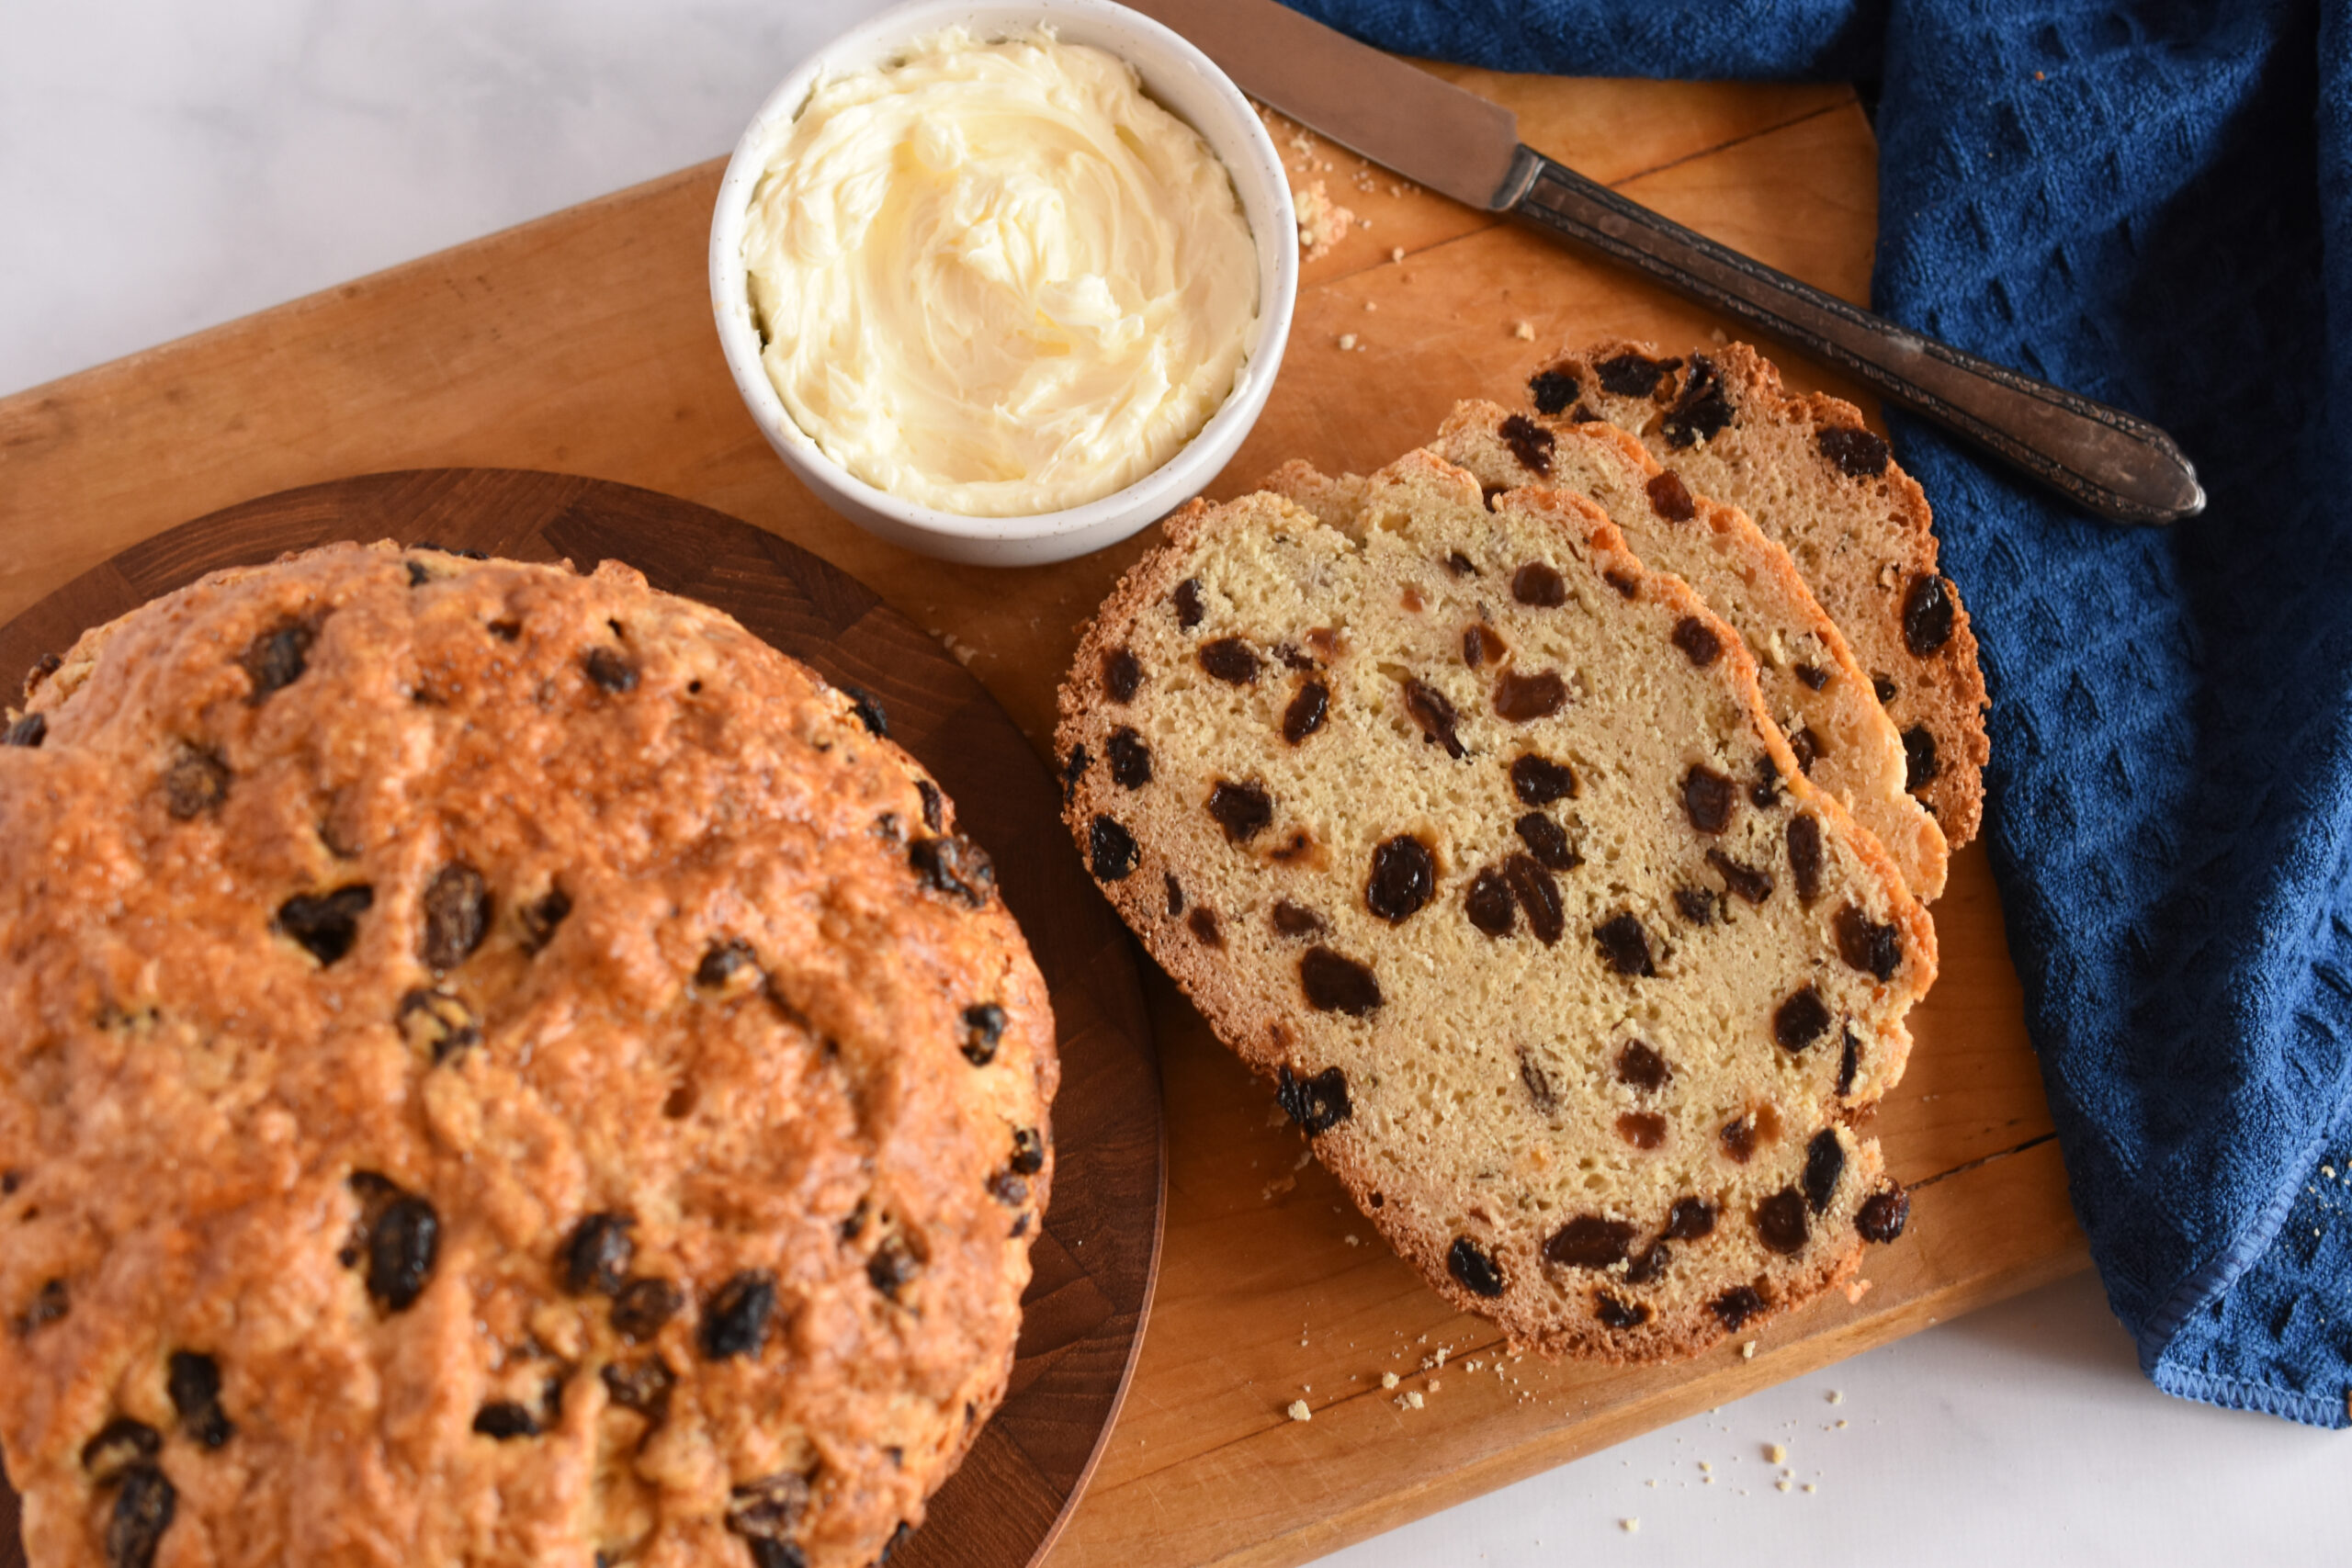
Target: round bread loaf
point(503, 1067)
point(1474, 835)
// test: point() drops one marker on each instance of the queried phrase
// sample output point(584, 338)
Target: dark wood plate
point(1084, 1313)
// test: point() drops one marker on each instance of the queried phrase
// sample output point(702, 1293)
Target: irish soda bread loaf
point(1815, 693)
point(502, 1068)
point(1473, 835)
point(1813, 477)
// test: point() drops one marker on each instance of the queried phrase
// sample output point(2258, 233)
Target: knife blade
point(2112, 463)
point(1426, 128)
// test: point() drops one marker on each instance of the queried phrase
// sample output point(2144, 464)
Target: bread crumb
point(1858, 1290)
point(1351, 1239)
point(1836, 1397)
point(1388, 1379)
point(1841, 1426)
point(1705, 1466)
point(1322, 223)
point(1748, 1350)
point(1299, 1412)
point(1524, 330)
point(1396, 253)
point(1782, 1484)
point(1413, 1398)
point(1630, 1526)
point(1433, 1385)
point(1347, 342)
point(1777, 1453)
point(1717, 336)
point(1370, 306)
point(1811, 1488)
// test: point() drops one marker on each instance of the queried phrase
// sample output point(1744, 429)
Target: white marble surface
point(165, 167)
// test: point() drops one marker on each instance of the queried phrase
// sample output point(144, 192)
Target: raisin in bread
point(503, 1067)
point(1473, 834)
point(1842, 739)
point(1813, 477)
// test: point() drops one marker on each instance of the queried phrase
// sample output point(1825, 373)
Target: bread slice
point(1813, 477)
point(1473, 834)
point(1815, 693)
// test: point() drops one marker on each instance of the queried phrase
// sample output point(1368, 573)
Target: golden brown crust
point(646, 933)
point(1255, 566)
point(1860, 532)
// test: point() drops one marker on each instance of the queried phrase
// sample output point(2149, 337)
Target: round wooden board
point(1084, 1313)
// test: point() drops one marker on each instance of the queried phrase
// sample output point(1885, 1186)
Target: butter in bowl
point(1005, 284)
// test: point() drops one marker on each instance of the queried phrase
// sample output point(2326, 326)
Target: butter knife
point(2110, 463)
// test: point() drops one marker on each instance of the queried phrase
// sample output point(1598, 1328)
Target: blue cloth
point(2146, 201)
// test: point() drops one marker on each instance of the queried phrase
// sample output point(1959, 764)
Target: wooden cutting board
point(583, 343)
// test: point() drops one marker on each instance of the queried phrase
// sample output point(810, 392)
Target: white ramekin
point(1182, 80)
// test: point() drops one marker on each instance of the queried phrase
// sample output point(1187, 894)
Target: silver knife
point(2110, 463)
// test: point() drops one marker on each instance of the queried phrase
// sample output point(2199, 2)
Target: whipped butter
point(997, 279)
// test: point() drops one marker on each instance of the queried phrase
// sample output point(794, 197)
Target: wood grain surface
point(583, 341)
point(1083, 1316)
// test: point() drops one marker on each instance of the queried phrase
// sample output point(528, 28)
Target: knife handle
point(2109, 462)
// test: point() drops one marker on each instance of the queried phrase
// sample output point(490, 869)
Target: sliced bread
point(1842, 739)
point(1473, 834)
point(1859, 528)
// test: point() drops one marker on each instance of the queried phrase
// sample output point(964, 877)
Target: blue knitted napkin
point(2147, 201)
